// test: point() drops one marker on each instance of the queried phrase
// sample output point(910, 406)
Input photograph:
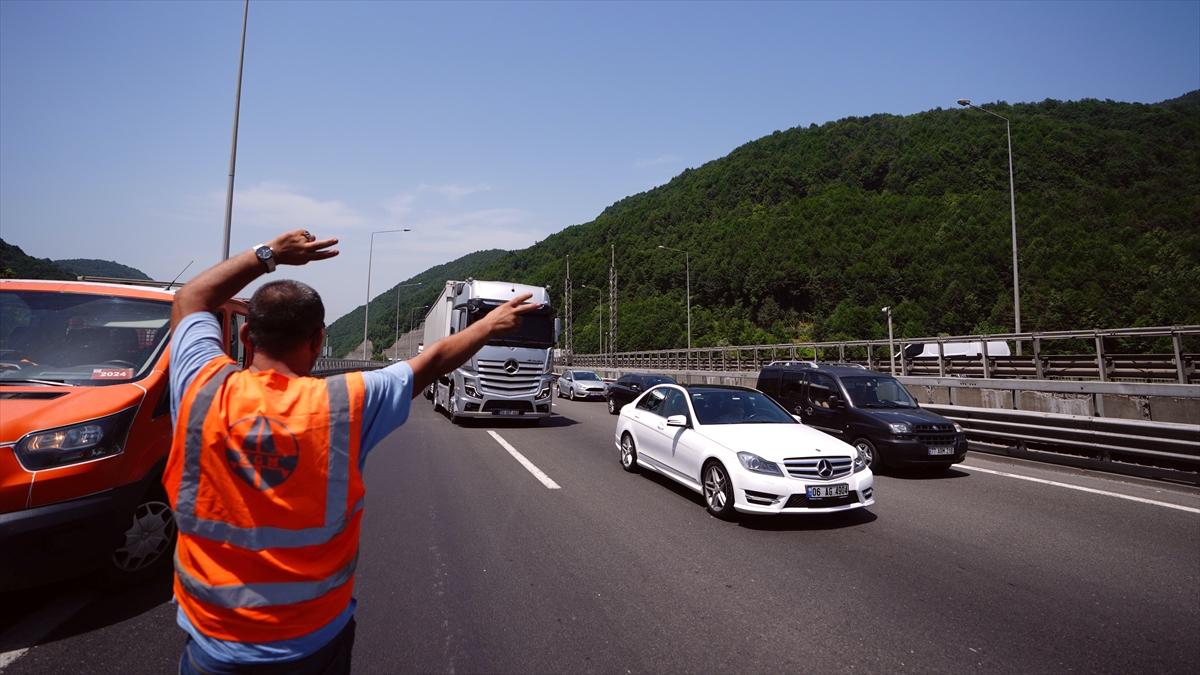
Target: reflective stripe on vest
point(260, 538)
point(264, 594)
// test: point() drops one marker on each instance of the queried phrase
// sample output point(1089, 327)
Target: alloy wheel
point(626, 451)
point(714, 487)
point(148, 538)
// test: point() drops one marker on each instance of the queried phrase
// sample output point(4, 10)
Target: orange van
point(85, 428)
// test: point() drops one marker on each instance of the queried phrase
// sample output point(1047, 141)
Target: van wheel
point(868, 448)
point(148, 541)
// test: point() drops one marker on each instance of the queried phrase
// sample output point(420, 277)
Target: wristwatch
point(265, 256)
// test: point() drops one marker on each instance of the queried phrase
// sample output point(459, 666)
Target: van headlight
point(77, 443)
point(753, 462)
point(901, 428)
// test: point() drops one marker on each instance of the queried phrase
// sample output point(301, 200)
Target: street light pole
point(396, 339)
point(1012, 201)
point(687, 270)
point(891, 341)
point(367, 305)
point(237, 108)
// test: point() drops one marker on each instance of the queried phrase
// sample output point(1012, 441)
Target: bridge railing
point(1100, 363)
point(326, 366)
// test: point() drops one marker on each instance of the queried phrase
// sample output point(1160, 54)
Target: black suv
point(869, 410)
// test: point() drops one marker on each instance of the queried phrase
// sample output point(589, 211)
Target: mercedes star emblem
point(824, 468)
point(511, 366)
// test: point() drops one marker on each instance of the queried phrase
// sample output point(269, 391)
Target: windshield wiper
point(30, 380)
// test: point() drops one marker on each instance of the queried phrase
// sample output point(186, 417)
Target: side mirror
point(635, 387)
point(837, 402)
point(677, 421)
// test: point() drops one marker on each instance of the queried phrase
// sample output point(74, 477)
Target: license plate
point(941, 450)
point(827, 491)
point(509, 412)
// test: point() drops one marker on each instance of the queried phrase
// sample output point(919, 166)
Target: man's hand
point(300, 247)
point(506, 317)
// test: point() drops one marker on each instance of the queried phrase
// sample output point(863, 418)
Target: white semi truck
point(510, 375)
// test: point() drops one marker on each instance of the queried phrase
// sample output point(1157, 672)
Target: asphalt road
point(471, 564)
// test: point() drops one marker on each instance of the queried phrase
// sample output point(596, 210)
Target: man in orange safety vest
point(264, 474)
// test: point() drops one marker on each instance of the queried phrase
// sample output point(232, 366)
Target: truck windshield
point(536, 329)
point(877, 391)
point(79, 338)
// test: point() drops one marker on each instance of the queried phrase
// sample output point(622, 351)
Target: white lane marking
point(529, 466)
point(1106, 493)
point(41, 623)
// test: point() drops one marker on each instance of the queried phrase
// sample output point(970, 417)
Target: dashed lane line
point(1118, 495)
point(529, 466)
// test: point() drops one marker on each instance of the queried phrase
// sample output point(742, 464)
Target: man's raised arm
point(219, 283)
point(451, 352)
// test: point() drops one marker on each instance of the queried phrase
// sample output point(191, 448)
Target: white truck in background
point(511, 375)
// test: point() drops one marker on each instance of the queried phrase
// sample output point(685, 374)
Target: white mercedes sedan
point(741, 451)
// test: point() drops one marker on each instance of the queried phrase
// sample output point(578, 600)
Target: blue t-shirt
point(387, 397)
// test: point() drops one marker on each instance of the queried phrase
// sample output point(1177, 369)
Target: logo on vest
point(262, 451)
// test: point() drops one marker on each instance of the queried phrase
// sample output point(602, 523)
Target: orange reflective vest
point(264, 480)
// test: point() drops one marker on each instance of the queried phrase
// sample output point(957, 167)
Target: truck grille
point(936, 434)
point(493, 379)
point(807, 467)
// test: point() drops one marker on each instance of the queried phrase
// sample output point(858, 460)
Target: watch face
point(263, 253)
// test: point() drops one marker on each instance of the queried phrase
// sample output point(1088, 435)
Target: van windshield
point(877, 391)
point(79, 338)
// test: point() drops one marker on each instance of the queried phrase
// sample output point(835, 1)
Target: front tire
point(868, 448)
point(571, 393)
point(628, 454)
point(148, 542)
point(718, 490)
point(612, 407)
point(452, 406)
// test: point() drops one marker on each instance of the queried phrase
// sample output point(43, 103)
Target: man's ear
point(247, 345)
point(318, 340)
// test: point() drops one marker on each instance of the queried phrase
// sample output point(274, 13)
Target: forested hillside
point(345, 334)
point(100, 268)
point(806, 233)
point(16, 264)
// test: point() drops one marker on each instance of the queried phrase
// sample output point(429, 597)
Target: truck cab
point(511, 375)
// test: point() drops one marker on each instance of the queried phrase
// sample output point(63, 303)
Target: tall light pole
point(687, 270)
point(237, 107)
point(367, 305)
point(1012, 200)
point(891, 342)
point(396, 339)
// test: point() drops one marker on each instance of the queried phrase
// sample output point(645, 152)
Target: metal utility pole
point(237, 106)
point(367, 304)
point(612, 302)
point(568, 325)
point(1012, 201)
point(891, 341)
point(396, 339)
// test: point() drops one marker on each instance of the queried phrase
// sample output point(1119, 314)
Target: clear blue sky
point(481, 124)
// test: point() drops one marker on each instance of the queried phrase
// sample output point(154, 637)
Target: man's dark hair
point(283, 315)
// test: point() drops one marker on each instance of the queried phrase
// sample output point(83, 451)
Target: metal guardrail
point(326, 367)
point(1178, 366)
point(1149, 449)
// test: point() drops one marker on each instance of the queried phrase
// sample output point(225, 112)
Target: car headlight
point(958, 427)
point(470, 390)
point(753, 462)
point(900, 428)
point(76, 443)
point(860, 460)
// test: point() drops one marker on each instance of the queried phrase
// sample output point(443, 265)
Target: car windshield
point(536, 329)
point(585, 375)
point(877, 391)
point(78, 338)
point(737, 406)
